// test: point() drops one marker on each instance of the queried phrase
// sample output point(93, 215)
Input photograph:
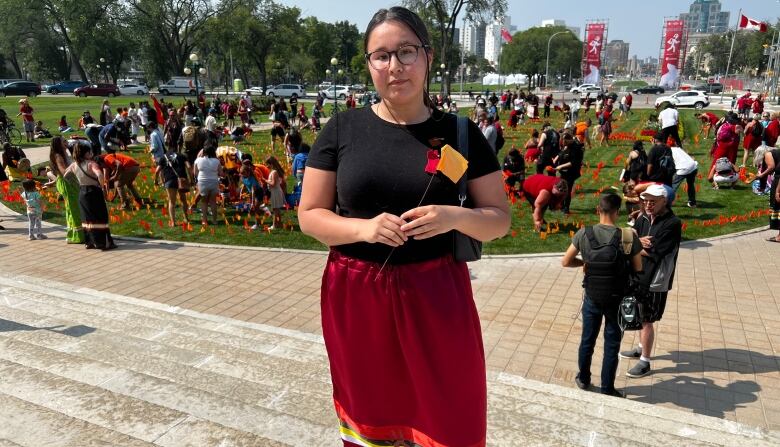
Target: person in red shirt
point(708, 121)
point(772, 131)
point(758, 105)
point(543, 192)
point(26, 112)
point(121, 170)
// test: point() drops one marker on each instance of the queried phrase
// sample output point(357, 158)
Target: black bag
point(606, 272)
point(630, 314)
point(666, 163)
point(465, 248)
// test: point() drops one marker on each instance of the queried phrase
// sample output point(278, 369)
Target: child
point(64, 128)
point(40, 131)
point(32, 198)
point(251, 184)
point(277, 186)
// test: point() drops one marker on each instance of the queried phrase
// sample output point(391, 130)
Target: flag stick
point(728, 64)
point(393, 250)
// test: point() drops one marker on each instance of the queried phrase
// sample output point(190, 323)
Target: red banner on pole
point(591, 60)
point(671, 66)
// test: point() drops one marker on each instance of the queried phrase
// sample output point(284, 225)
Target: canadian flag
point(746, 22)
point(505, 35)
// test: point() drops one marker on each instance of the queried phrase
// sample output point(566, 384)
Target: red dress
point(727, 143)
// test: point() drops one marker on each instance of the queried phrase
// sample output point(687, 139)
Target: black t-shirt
point(654, 158)
point(380, 167)
point(173, 167)
point(572, 153)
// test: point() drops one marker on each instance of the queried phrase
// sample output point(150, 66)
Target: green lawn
point(629, 85)
point(719, 212)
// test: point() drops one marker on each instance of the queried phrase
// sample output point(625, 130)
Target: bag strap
point(86, 173)
point(463, 148)
point(627, 239)
point(591, 235)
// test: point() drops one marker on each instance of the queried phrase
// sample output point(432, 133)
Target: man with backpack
point(609, 256)
point(660, 164)
point(192, 139)
point(660, 232)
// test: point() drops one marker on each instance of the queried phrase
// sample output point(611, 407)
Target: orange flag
point(452, 164)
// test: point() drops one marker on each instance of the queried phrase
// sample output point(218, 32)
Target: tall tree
point(527, 53)
point(442, 15)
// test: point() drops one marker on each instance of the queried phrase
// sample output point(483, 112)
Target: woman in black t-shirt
point(569, 164)
point(403, 339)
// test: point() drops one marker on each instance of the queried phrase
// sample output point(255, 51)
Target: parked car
point(109, 90)
point(256, 90)
point(178, 86)
point(691, 98)
point(358, 88)
point(593, 90)
point(133, 89)
point(286, 91)
point(23, 88)
point(581, 87)
point(649, 90)
point(3, 82)
point(715, 88)
point(324, 86)
point(339, 91)
point(64, 87)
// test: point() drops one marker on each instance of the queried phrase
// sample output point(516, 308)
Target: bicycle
point(10, 134)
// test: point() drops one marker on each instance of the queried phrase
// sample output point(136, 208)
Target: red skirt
point(405, 351)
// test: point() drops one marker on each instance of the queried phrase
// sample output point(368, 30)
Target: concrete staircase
point(85, 368)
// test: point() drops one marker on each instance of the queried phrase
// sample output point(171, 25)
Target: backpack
point(630, 314)
point(499, 137)
point(637, 167)
point(190, 137)
point(607, 268)
point(723, 166)
point(666, 164)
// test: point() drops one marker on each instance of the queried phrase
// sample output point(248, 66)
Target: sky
point(636, 22)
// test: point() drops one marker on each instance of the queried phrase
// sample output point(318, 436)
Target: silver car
point(286, 91)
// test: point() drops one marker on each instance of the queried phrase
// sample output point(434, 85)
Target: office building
point(617, 56)
point(562, 23)
point(706, 17)
point(472, 38)
point(493, 39)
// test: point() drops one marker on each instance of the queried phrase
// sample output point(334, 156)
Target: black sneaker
point(641, 369)
point(613, 392)
point(691, 204)
point(580, 384)
point(632, 354)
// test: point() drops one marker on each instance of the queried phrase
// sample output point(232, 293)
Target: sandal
point(772, 239)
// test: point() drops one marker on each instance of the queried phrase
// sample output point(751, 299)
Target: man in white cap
point(660, 232)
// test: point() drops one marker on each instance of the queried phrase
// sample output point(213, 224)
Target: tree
point(171, 27)
point(442, 16)
point(16, 31)
point(748, 51)
point(527, 53)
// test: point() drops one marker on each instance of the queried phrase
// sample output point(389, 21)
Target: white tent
point(496, 79)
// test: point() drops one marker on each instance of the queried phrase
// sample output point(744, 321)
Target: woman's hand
point(428, 221)
point(385, 229)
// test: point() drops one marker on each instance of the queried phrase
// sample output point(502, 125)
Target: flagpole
point(728, 64)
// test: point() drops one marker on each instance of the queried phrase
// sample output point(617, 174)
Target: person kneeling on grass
point(723, 173)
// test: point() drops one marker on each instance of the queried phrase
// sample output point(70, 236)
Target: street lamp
point(334, 63)
point(547, 64)
point(195, 70)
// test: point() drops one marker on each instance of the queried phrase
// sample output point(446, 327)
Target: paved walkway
point(717, 348)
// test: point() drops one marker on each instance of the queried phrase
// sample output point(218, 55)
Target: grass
point(720, 211)
point(629, 85)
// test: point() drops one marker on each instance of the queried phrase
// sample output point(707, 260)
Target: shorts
point(277, 131)
point(653, 307)
point(29, 126)
point(208, 187)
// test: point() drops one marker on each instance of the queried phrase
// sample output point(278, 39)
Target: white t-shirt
point(668, 117)
point(211, 123)
point(684, 163)
point(208, 169)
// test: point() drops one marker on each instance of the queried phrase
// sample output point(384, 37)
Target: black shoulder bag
point(465, 248)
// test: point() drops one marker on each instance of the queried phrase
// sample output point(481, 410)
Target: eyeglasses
point(406, 55)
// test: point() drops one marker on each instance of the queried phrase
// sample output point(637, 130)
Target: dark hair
point(535, 133)
point(57, 146)
point(562, 187)
point(638, 146)
point(305, 148)
point(273, 163)
point(609, 203)
point(567, 139)
point(79, 150)
point(659, 137)
point(28, 185)
point(210, 151)
point(413, 22)
point(294, 137)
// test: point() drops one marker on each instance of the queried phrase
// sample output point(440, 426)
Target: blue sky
point(636, 22)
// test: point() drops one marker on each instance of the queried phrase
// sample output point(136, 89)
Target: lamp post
point(334, 63)
point(547, 64)
point(444, 92)
point(195, 70)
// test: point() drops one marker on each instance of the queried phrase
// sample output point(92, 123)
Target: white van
point(178, 86)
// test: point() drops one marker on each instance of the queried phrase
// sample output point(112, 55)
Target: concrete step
point(114, 363)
